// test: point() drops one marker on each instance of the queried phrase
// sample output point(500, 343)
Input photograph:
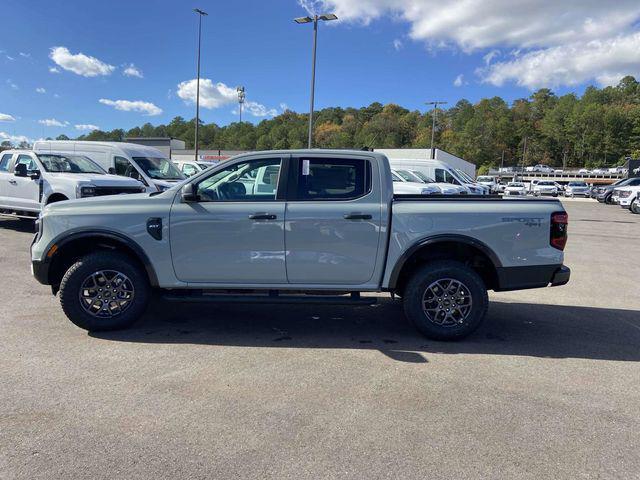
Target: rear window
point(333, 179)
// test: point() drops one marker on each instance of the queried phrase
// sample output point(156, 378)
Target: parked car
point(346, 231)
point(574, 189)
point(599, 171)
point(441, 173)
point(605, 192)
point(146, 164)
point(539, 169)
point(515, 189)
point(500, 187)
point(419, 177)
point(626, 195)
point(584, 171)
point(545, 187)
point(619, 169)
point(30, 180)
point(488, 181)
point(190, 167)
point(402, 186)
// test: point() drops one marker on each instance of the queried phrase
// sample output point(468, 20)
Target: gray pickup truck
point(297, 226)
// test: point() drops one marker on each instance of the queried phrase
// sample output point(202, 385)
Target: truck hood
point(97, 180)
point(108, 204)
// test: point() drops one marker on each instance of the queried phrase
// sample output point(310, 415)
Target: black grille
point(101, 191)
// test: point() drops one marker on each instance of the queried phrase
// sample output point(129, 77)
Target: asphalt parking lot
point(549, 387)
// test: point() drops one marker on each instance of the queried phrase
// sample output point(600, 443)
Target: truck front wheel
point(445, 300)
point(104, 291)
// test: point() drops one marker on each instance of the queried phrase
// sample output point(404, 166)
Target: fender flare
point(65, 238)
point(435, 239)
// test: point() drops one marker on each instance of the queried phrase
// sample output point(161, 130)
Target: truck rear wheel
point(104, 291)
point(446, 300)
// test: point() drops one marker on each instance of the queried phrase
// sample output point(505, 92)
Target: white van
point(440, 172)
point(146, 164)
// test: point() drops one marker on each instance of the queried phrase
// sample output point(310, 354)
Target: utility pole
point(325, 17)
point(433, 126)
point(524, 154)
point(200, 15)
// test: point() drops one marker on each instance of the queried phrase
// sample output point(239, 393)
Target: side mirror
point(111, 171)
point(20, 170)
point(189, 193)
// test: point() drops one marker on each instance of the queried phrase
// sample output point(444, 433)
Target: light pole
point(200, 15)
point(433, 126)
point(324, 17)
point(241, 96)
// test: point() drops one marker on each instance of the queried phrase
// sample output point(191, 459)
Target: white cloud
point(146, 108)
point(284, 107)
point(397, 44)
point(86, 126)
point(211, 95)
point(459, 81)
point(11, 84)
point(132, 71)
point(13, 138)
point(41, 90)
point(25, 55)
point(52, 122)
point(488, 58)
point(79, 63)
point(5, 117)
point(607, 61)
point(9, 57)
point(54, 70)
point(475, 24)
point(257, 109)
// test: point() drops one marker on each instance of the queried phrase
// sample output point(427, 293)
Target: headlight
point(83, 191)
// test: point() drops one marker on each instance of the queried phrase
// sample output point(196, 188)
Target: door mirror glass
point(20, 170)
point(188, 193)
point(112, 171)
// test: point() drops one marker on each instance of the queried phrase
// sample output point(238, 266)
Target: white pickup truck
point(30, 180)
point(292, 226)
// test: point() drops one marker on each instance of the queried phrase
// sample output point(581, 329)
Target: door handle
point(357, 216)
point(262, 216)
point(13, 182)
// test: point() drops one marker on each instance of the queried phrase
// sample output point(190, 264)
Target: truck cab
point(145, 164)
point(29, 181)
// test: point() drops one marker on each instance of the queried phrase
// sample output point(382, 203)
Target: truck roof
point(131, 149)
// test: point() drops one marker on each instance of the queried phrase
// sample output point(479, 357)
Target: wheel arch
point(56, 197)
point(463, 248)
point(73, 246)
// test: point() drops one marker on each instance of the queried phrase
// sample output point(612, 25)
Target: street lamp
point(241, 96)
point(200, 15)
point(324, 17)
point(433, 127)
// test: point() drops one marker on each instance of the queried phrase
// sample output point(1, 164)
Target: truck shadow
point(547, 331)
point(17, 225)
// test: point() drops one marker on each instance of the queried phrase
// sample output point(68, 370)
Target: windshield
point(485, 179)
point(577, 184)
point(408, 176)
point(464, 176)
point(547, 184)
point(57, 163)
point(515, 185)
point(395, 177)
point(159, 168)
point(422, 176)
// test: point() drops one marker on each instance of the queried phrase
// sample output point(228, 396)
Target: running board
point(353, 299)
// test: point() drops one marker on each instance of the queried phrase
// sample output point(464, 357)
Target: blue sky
point(401, 51)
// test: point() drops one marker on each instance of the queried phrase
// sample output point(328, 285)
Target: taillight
point(559, 223)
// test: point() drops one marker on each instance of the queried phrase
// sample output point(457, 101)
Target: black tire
point(635, 207)
point(71, 288)
point(439, 270)
point(607, 200)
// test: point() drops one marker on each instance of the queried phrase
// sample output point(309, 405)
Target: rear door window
point(4, 162)
point(333, 179)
